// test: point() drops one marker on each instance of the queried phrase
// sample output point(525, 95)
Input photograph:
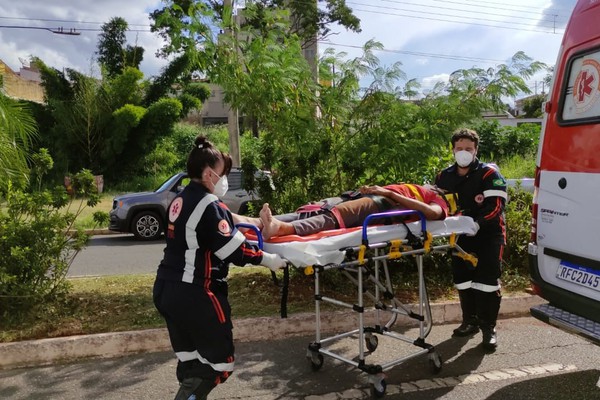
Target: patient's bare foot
point(270, 225)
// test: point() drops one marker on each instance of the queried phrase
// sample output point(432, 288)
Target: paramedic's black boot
point(465, 329)
point(490, 339)
point(469, 313)
point(488, 306)
point(194, 389)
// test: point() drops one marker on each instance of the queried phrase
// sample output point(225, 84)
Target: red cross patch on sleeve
point(224, 227)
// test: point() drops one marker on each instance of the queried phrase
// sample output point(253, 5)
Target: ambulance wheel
point(435, 361)
point(316, 361)
point(378, 390)
point(371, 343)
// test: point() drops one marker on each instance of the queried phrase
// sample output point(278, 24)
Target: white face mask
point(221, 186)
point(463, 158)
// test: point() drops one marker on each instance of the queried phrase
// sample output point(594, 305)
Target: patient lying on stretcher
point(352, 213)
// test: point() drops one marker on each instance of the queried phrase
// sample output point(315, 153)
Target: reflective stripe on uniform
point(482, 287)
point(192, 222)
point(231, 246)
point(191, 239)
point(190, 267)
point(495, 193)
point(184, 356)
point(463, 285)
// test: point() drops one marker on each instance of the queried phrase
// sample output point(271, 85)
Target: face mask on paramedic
point(221, 187)
point(463, 158)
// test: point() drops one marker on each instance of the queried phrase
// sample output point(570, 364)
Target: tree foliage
point(114, 55)
point(37, 245)
point(532, 106)
point(17, 131)
point(90, 123)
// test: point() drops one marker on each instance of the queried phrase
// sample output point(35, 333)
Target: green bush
point(38, 246)
point(518, 226)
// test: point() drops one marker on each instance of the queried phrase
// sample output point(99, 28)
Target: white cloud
point(77, 52)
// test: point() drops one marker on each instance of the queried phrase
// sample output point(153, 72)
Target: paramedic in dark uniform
point(190, 290)
point(481, 194)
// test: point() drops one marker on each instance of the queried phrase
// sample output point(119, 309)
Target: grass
point(123, 303)
point(85, 219)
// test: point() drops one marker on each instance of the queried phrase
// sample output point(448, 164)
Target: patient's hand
point(375, 190)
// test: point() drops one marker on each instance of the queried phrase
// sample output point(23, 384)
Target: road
point(117, 255)
point(534, 361)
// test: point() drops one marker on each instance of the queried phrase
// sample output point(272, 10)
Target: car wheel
point(147, 225)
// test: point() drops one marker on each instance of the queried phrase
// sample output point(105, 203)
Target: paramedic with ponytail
point(190, 290)
point(481, 193)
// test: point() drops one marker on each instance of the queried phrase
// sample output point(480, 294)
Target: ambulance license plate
point(579, 275)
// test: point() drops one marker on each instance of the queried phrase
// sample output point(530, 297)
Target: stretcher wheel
point(316, 361)
point(371, 342)
point(435, 361)
point(378, 389)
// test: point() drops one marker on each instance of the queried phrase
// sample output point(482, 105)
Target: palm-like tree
point(17, 130)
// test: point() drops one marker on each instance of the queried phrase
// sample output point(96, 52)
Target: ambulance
point(564, 250)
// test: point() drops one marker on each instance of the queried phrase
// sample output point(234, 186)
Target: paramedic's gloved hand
point(273, 261)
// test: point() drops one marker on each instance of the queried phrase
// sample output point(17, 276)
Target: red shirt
point(420, 193)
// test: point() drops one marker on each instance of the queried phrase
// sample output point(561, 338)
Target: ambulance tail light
point(534, 207)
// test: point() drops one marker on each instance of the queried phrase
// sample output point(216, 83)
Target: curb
point(105, 345)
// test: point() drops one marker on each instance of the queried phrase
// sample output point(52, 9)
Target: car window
point(234, 180)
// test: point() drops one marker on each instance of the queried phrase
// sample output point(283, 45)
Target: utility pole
point(232, 116)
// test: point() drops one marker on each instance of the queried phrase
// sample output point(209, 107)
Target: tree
point(532, 106)
point(17, 130)
point(113, 53)
point(304, 19)
point(90, 123)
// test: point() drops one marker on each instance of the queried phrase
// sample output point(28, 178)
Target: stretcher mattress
point(323, 250)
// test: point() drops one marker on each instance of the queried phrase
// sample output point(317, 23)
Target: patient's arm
point(431, 211)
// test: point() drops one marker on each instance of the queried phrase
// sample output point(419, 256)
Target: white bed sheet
point(326, 250)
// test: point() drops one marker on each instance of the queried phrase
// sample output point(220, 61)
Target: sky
point(431, 38)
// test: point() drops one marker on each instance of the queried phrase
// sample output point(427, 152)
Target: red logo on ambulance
point(587, 85)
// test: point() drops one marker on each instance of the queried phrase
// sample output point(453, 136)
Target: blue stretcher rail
point(393, 214)
point(256, 231)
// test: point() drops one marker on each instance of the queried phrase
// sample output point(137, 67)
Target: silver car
point(144, 214)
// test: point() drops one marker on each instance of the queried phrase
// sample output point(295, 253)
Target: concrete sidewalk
point(104, 345)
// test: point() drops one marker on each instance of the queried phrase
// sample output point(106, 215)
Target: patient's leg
point(272, 226)
point(242, 219)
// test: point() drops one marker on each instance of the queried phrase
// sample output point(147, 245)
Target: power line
point(64, 20)
point(422, 54)
point(447, 15)
point(463, 10)
point(501, 4)
point(459, 22)
point(483, 6)
point(58, 31)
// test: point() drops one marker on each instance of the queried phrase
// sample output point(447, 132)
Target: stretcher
point(362, 255)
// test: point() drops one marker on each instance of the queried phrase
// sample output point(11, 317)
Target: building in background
point(22, 85)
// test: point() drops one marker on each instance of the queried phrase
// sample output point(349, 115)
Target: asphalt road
point(117, 255)
point(534, 361)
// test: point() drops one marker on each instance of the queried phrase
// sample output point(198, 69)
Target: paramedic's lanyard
point(283, 288)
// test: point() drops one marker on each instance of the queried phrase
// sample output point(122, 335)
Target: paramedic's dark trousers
point(200, 333)
point(479, 286)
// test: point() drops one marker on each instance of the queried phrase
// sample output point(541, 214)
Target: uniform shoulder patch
point(224, 227)
point(175, 209)
point(499, 182)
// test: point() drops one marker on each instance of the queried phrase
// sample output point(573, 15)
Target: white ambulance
point(564, 251)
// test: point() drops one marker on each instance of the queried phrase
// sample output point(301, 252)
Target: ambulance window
point(581, 97)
